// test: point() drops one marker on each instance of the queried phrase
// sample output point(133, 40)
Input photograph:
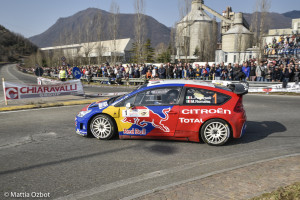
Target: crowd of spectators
point(284, 45)
point(271, 70)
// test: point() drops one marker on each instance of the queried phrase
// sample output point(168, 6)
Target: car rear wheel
point(215, 132)
point(102, 127)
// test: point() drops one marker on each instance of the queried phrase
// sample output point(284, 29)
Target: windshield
point(113, 99)
point(116, 98)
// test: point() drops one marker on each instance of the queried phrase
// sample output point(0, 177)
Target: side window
point(197, 96)
point(160, 96)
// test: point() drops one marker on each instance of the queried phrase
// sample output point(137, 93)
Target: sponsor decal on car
point(103, 104)
point(143, 117)
point(134, 131)
point(187, 120)
point(135, 113)
point(206, 111)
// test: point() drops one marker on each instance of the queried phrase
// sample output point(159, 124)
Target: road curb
point(46, 105)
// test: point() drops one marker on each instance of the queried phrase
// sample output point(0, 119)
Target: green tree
point(134, 57)
point(149, 52)
point(196, 52)
point(165, 56)
point(146, 55)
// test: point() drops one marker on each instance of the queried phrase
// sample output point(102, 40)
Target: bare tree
point(264, 6)
point(254, 27)
point(89, 45)
point(99, 25)
point(173, 40)
point(114, 24)
point(183, 31)
point(239, 44)
point(139, 30)
point(204, 53)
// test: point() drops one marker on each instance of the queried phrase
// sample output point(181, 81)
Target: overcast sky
point(32, 17)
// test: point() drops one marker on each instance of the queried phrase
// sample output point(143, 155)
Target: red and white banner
point(23, 91)
point(291, 87)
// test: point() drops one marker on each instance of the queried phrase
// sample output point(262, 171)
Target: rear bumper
point(243, 128)
point(239, 125)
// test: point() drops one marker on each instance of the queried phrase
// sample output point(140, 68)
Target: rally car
point(169, 109)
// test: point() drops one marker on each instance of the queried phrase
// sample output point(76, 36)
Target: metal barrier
point(105, 80)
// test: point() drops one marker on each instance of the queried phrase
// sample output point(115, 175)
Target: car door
point(198, 105)
point(154, 112)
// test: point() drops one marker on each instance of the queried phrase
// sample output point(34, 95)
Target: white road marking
point(143, 177)
point(38, 109)
point(204, 176)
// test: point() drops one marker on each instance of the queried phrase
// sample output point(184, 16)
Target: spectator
point(88, 74)
point(246, 70)
point(260, 72)
point(218, 72)
point(198, 72)
point(276, 75)
point(148, 74)
point(154, 72)
point(268, 73)
point(136, 72)
point(287, 74)
point(212, 72)
point(169, 71)
point(252, 71)
point(185, 72)
point(161, 72)
point(236, 71)
point(230, 72)
point(297, 75)
point(224, 74)
point(62, 74)
point(206, 71)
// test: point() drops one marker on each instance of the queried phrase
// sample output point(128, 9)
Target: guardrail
point(105, 80)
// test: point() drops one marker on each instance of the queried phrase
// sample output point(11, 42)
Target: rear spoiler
point(239, 88)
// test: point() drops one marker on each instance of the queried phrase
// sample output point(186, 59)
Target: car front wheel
point(102, 127)
point(215, 132)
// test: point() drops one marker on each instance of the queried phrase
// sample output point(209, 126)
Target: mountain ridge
point(72, 29)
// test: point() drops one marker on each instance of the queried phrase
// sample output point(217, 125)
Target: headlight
point(83, 113)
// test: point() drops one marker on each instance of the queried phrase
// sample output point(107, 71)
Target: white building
point(105, 49)
point(196, 35)
point(276, 33)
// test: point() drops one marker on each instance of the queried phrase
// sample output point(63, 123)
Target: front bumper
point(81, 126)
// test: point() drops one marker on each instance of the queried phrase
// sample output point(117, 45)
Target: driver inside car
point(172, 97)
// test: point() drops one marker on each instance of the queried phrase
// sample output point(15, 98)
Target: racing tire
point(215, 132)
point(103, 127)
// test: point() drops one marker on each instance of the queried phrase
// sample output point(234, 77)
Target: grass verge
point(46, 105)
point(291, 192)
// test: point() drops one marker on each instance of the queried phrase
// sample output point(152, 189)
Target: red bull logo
point(146, 117)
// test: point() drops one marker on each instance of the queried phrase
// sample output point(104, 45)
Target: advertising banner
point(291, 87)
point(22, 91)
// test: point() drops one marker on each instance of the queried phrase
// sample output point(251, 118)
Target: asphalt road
point(40, 152)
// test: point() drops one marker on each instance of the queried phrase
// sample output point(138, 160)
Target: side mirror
point(128, 106)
